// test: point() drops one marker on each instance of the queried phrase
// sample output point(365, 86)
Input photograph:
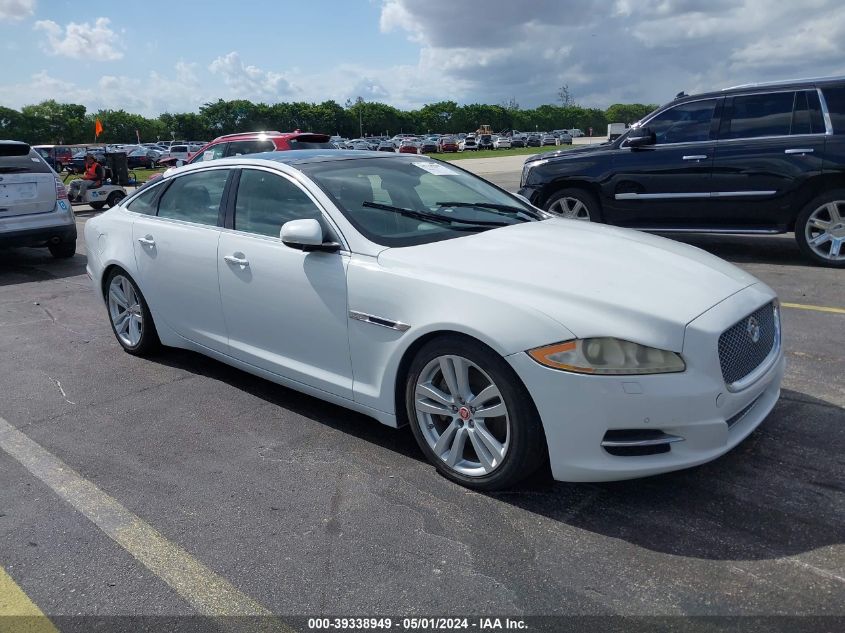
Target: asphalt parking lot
point(191, 487)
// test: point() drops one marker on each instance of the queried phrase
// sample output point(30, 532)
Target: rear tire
point(504, 425)
point(97, 205)
point(114, 198)
point(63, 250)
point(129, 315)
point(820, 229)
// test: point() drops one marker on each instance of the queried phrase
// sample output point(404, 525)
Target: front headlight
point(609, 356)
point(527, 166)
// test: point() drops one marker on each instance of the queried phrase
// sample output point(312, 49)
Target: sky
point(156, 56)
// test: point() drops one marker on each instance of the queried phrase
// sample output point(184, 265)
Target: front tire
point(574, 204)
point(820, 229)
point(471, 415)
point(129, 315)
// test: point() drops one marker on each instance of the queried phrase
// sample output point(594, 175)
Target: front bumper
point(578, 410)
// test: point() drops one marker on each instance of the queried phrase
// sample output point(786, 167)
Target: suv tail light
point(61, 191)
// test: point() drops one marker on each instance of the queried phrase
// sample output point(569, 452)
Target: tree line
point(54, 122)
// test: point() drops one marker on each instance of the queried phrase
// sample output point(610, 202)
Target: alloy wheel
point(125, 311)
point(462, 415)
point(825, 231)
point(572, 208)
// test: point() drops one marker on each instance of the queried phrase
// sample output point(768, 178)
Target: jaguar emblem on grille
point(753, 329)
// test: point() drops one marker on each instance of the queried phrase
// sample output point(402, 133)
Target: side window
point(212, 153)
point(266, 201)
point(835, 100)
point(145, 202)
point(753, 116)
point(686, 123)
point(807, 115)
point(194, 197)
point(238, 148)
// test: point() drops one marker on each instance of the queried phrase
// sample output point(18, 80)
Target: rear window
point(28, 163)
point(14, 149)
point(298, 143)
point(835, 99)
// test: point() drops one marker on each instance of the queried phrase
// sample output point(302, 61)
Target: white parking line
point(208, 593)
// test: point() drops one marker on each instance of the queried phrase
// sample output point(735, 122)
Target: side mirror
point(179, 162)
point(306, 235)
point(640, 137)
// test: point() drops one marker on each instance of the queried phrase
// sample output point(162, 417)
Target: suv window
point(835, 100)
point(194, 197)
point(237, 148)
point(753, 116)
point(212, 153)
point(266, 201)
point(685, 123)
point(807, 114)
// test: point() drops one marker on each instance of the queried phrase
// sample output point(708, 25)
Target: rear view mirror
point(306, 235)
point(640, 137)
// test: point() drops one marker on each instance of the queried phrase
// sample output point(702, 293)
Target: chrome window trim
point(746, 139)
point(828, 124)
point(344, 245)
point(658, 229)
point(763, 368)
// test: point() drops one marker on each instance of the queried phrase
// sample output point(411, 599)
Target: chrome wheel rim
point(125, 311)
point(462, 416)
point(571, 208)
point(825, 231)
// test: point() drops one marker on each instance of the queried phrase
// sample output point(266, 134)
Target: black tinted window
point(266, 201)
point(753, 116)
point(145, 202)
point(28, 163)
point(194, 197)
point(237, 148)
point(685, 123)
point(807, 115)
point(835, 99)
point(297, 144)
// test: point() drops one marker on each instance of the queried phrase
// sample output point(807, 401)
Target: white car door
point(285, 309)
point(176, 253)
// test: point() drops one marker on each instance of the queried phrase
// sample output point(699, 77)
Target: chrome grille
point(739, 353)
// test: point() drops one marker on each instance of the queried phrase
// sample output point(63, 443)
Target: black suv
point(759, 158)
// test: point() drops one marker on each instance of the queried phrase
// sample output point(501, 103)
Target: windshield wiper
point(502, 209)
point(431, 217)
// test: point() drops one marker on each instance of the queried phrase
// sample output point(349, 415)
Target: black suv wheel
point(820, 229)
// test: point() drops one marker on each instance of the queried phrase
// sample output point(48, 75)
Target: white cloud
point(95, 42)
point(632, 50)
point(16, 9)
point(250, 82)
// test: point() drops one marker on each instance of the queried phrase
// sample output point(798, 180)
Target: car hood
point(595, 280)
point(576, 151)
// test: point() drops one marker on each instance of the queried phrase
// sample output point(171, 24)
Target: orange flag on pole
point(98, 128)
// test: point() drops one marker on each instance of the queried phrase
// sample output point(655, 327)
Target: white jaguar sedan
point(417, 293)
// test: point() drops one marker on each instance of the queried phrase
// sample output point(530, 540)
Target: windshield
point(397, 201)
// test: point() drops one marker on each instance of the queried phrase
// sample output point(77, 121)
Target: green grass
point(497, 153)
point(142, 175)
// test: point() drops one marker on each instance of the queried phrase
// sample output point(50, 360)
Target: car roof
point(785, 84)
point(248, 136)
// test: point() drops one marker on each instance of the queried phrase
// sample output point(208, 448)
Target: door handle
point(239, 261)
point(147, 240)
point(696, 157)
point(808, 150)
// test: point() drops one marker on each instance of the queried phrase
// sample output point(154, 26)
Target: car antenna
point(680, 94)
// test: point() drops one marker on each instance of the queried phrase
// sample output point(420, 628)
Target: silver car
point(34, 208)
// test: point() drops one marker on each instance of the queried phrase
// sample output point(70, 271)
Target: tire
point(63, 250)
point(823, 245)
point(575, 204)
point(114, 198)
point(137, 336)
point(457, 432)
point(97, 205)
